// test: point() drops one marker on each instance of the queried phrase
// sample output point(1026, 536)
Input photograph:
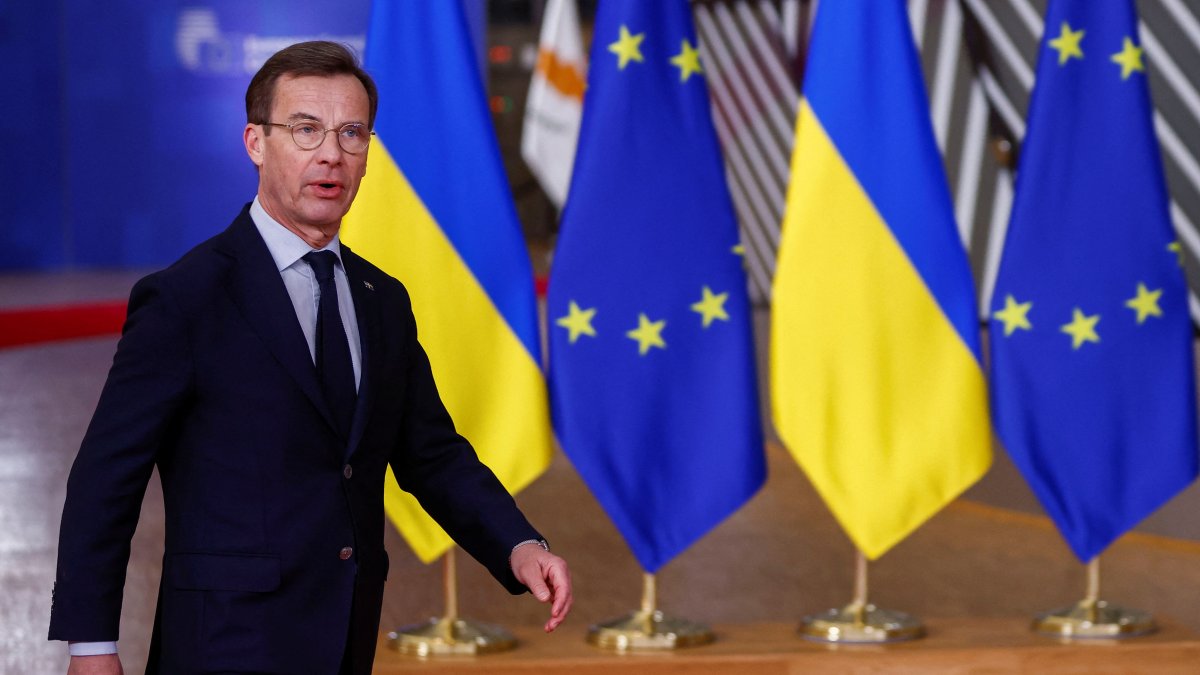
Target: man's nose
point(329, 151)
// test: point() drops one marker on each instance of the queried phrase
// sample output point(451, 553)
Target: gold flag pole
point(860, 621)
point(450, 635)
point(1093, 617)
point(648, 628)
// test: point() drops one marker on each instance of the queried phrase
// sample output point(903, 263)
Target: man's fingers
point(548, 579)
point(560, 580)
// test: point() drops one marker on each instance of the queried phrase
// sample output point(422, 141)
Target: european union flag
point(1092, 373)
point(652, 379)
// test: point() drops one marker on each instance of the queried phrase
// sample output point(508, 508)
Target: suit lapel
point(258, 291)
point(366, 310)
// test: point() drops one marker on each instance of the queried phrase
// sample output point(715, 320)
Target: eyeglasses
point(353, 138)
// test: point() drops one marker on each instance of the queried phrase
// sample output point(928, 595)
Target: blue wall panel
point(32, 214)
point(126, 118)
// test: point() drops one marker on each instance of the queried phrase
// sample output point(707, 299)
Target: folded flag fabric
point(435, 211)
point(1092, 373)
point(876, 377)
point(554, 106)
point(652, 379)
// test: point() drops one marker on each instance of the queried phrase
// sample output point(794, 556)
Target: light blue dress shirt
point(288, 251)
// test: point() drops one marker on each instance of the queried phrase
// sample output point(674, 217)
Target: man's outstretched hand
point(547, 577)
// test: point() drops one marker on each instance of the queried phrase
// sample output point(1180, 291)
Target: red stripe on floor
point(33, 325)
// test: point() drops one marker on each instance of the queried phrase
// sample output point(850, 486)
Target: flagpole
point(649, 594)
point(1092, 617)
point(648, 629)
point(450, 583)
point(859, 604)
point(450, 635)
point(860, 621)
point(1093, 585)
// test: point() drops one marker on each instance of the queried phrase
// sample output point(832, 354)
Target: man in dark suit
point(272, 375)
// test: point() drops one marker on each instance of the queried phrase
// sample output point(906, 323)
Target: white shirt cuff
point(92, 648)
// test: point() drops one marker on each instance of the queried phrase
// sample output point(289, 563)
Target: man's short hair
point(318, 57)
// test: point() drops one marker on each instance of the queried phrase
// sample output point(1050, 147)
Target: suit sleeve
point(146, 388)
point(440, 468)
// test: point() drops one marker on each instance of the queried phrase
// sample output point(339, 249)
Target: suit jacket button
point(348, 471)
point(346, 553)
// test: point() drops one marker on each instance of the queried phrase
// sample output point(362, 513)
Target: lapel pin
point(368, 285)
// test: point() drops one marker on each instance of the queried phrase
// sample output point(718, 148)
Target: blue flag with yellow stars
point(652, 380)
point(1092, 377)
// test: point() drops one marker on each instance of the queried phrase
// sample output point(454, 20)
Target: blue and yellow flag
point(651, 360)
point(1092, 375)
point(435, 211)
point(876, 375)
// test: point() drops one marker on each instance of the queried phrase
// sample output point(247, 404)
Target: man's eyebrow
point(307, 117)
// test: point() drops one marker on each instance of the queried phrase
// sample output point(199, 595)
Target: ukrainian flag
point(875, 362)
point(435, 211)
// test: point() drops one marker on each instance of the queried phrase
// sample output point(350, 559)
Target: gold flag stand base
point(1094, 618)
point(866, 623)
point(860, 621)
point(1098, 620)
point(648, 628)
point(450, 635)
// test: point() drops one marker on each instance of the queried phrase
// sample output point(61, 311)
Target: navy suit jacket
point(213, 383)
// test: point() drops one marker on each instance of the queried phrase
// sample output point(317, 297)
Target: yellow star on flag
point(1014, 315)
point(688, 61)
point(1082, 329)
point(1175, 248)
point(1129, 58)
point(738, 250)
point(648, 334)
point(578, 322)
point(711, 306)
point(1145, 303)
point(1067, 44)
point(627, 47)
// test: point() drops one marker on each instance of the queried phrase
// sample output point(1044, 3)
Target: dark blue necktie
point(334, 369)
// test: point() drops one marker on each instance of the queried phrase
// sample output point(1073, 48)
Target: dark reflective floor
point(778, 558)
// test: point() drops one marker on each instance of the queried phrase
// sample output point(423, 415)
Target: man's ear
point(253, 139)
